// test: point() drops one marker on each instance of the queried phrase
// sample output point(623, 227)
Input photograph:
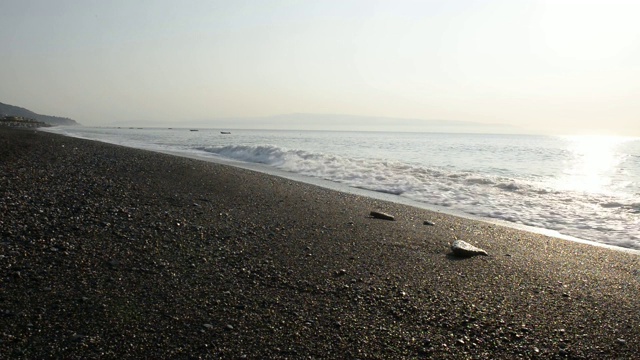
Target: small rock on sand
point(381, 215)
point(464, 249)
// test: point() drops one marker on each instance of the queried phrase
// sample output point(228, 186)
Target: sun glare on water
point(592, 163)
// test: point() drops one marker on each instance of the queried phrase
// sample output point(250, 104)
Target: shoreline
point(110, 252)
point(336, 186)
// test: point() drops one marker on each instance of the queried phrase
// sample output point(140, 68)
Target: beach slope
point(112, 252)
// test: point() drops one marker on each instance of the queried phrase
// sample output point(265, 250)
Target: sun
point(592, 162)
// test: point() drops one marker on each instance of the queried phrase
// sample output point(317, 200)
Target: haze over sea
point(585, 187)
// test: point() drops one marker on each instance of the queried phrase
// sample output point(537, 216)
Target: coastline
point(110, 251)
point(566, 227)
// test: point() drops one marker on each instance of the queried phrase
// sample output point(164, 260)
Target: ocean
point(583, 187)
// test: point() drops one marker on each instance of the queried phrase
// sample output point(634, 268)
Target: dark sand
point(113, 252)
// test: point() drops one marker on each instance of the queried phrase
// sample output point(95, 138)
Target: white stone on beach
point(381, 215)
point(463, 249)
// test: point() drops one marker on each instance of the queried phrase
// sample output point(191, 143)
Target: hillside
point(11, 110)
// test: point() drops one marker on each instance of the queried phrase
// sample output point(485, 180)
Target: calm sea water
point(585, 187)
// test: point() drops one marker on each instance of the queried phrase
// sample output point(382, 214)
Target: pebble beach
point(113, 252)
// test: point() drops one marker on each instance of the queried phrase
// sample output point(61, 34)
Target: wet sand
point(111, 252)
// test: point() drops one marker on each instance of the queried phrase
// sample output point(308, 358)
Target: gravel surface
point(110, 252)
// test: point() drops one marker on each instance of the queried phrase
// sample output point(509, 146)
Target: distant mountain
point(11, 110)
point(356, 123)
point(381, 123)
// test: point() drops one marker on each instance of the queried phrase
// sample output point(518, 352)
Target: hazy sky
point(553, 66)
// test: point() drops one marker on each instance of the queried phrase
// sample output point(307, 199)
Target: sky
point(544, 66)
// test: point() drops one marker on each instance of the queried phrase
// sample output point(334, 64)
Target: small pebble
point(562, 352)
point(381, 215)
point(463, 249)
